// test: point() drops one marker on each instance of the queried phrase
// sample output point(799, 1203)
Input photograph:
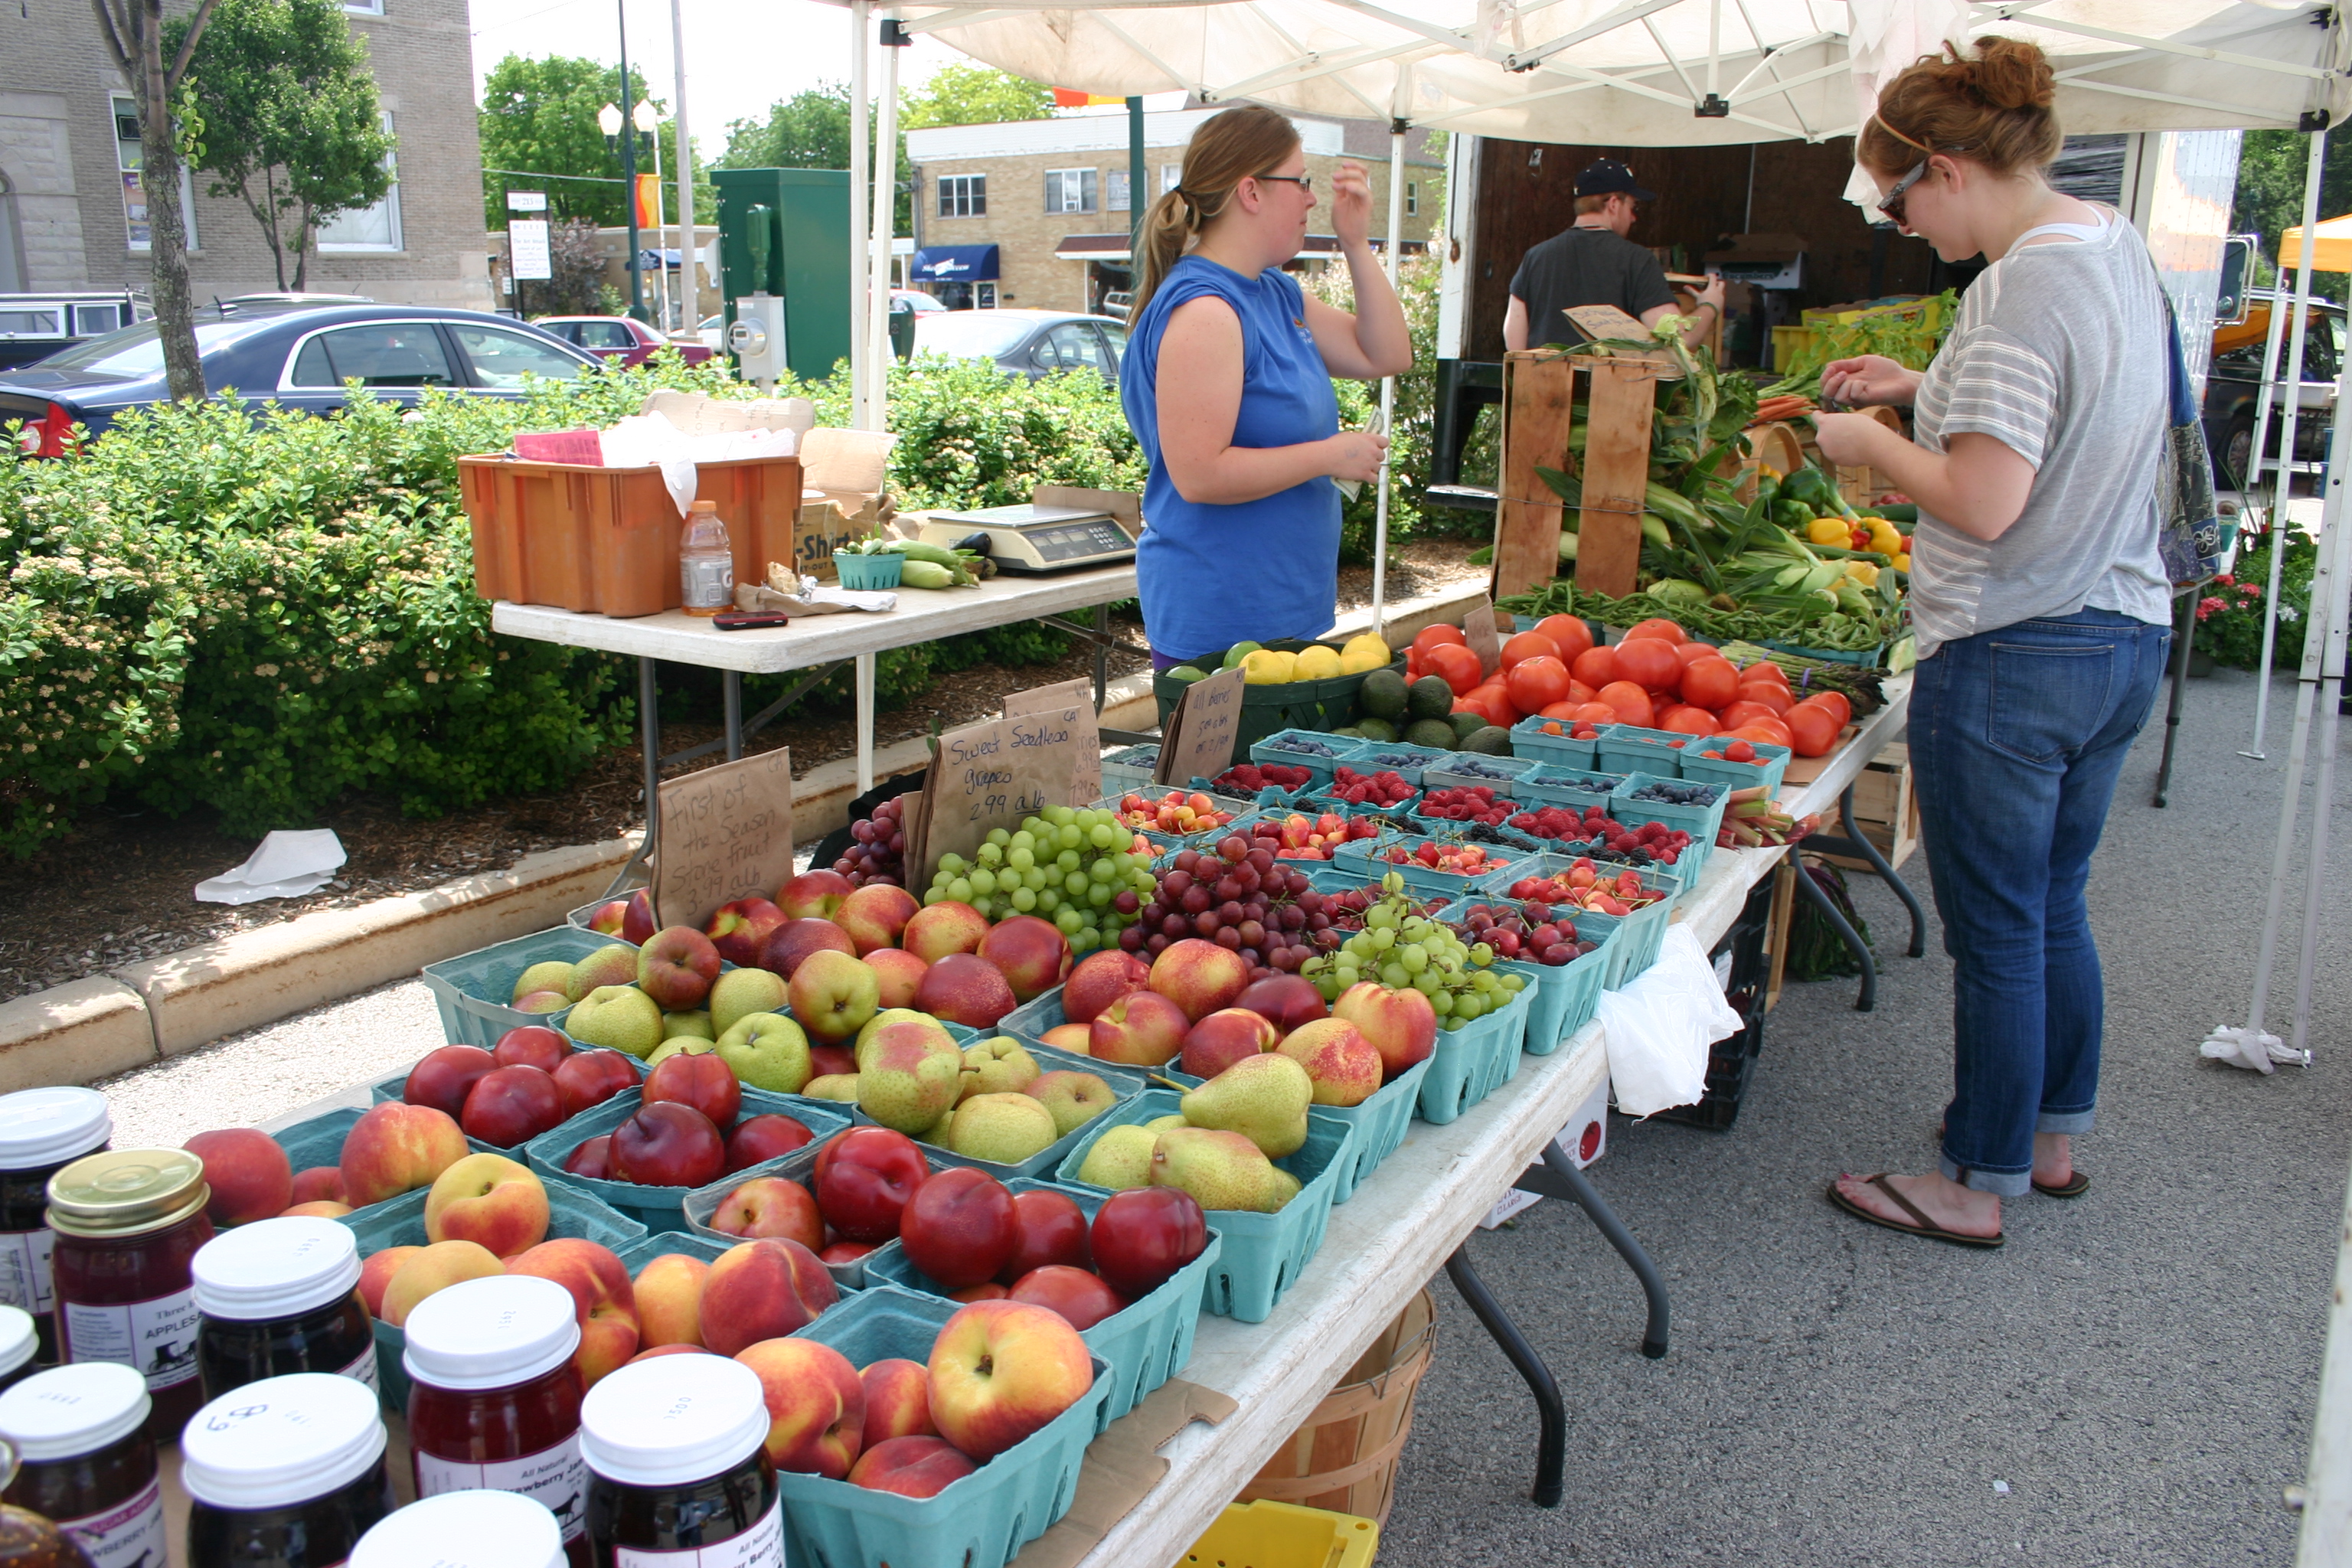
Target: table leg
point(650, 741)
point(2184, 625)
point(730, 691)
point(1102, 654)
point(1552, 1448)
point(1886, 874)
point(864, 723)
point(1810, 891)
point(1555, 1176)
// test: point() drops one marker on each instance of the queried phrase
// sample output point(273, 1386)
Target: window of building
point(365, 7)
point(1170, 176)
point(1412, 199)
point(983, 296)
point(1070, 191)
point(129, 158)
point(12, 249)
point(1119, 182)
point(963, 195)
point(375, 227)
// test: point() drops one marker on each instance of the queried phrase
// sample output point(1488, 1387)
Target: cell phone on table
point(1376, 425)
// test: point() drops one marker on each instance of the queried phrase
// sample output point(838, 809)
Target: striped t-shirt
point(2059, 353)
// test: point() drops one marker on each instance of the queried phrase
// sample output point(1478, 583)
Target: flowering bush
point(2229, 615)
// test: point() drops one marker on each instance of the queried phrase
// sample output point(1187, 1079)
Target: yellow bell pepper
point(1864, 572)
point(1832, 531)
point(1887, 539)
point(1903, 562)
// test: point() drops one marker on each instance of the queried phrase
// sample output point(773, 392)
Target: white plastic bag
point(1658, 1028)
point(284, 865)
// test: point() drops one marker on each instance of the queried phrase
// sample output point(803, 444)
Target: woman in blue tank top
point(1227, 384)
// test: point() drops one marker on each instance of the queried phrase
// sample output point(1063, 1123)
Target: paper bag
point(993, 774)
point(725, 833)
point(1199, 742)
point(1086, 783)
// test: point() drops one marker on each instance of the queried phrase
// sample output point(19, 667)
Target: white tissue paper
point(644, 439)
point(1658, 1028)
point(285, 864)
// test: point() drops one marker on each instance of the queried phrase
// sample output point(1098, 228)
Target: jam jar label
point(156, 1339)
point(25, 1269)
point(761, 1546)
point(555, 1477)
point(363, 1370)
point(131, 1535)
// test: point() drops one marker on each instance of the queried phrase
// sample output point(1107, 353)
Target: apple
point(910, 1466)
point(1048, 1229)
point(489, 1199)
point(1000, 1372)
point(377, 1273)
point(987, 1291)
point(940, 928)
point(740, 929)
point(589, 1079)
point(1285, 1001)
point(528, 1045)
point(1142, 1030)
point(896, 975)
point(443, 1077)
point(834, 995)
point(1101, 978)
point(394, 1148)
point(1081, 1298)
point(864, 1177)
point(1071, 1038)
point(813, 894)
point(816, 1405)
point(763, 1290)
point(676, 967)
point(630, 919)
point(1401, 1025)
point(1141, 1238)
point(963, 988)
point(897, 1400)
point(835, 1061)
point(318, 1184)
point(249, 1174)
point(1341, 1064)
point(771, 1206)
point(759, 1138)
point(704, 1082)
point(668, 1292)
point(875, 915)
point(604, 1301)
point(1073, 1097)
point(959, 1227)
point(793, 940)
point(432, 1268)
point(666, 1144)
point(1031, 953)
point(1199, 976)
point(512, 1106)
point(1226, 1036)
point(592, 1159)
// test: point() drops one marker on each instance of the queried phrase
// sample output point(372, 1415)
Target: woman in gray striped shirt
point(2041, 605)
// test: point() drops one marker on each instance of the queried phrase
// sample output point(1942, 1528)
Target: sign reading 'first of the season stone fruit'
point(725, 833)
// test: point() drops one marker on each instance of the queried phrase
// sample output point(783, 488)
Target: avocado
point(1494, 741)
point(1467, 723)
point(1384, 695)
point(1186, 674)
point(1375, 729)
point(1435, 733)
point(1238, 652)
point(1350, 733)
point(1429, 698)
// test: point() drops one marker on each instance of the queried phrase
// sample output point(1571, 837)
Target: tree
point(970, 94)
point(539, 125)
point(810, 131)
point(575, 262)
point(2271, 168)
point(291, 124)
point(133, 33)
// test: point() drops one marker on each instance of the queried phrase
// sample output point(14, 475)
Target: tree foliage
point(970, 94)
point(810, 130)
point(2270, 169)
point(539, 125)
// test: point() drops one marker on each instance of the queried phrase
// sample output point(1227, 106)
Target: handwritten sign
point(1478, 628)
point(1086, 783)
point(1200, 742)
point(993, 774)
point(725, 833)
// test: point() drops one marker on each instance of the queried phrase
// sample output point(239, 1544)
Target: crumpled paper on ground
point(284, 865)
point(2257, 1050)
point(648, 439)
point(1658, 1028)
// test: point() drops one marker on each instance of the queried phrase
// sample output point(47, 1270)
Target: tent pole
point(861, 12)
point(2284, 489)
point(689, 311)
point(2323, 663)
point(1387, 384)
point(2249, 483)
point(886, 214)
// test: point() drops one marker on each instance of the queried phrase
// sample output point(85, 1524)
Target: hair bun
point(2009, 73)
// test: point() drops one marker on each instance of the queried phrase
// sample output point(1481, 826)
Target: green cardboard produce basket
point(658, 1208)
point(1701, 822)
point(1402, 758)
point(392, 1085)
point(1266, 709)
point(472, 989)
point(800, 1166)
point(1380, 1123)
point(1573, 788)
point(1147, 1342)
point(1360, 862)
point(636, 1254)
point(1473, 1061)
point(1637, 936)
point(1529, 739)
point(1264, 1253)
point(1768, 771)
point(978, 1522)
point(1629, 749)
point(1564, 997)
point(1282, 746)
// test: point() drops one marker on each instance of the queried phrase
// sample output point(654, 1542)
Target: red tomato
point(1530, 644)
point(1433, 637)
point(1765, 694)
point(1567, 633)
point(1564, 709)
point(1834, 701)
point(1456, 665)
point(1684, 719)
point(1660, 628)
point(1812, 731)
point(1412, 670)
point(1690, 653)
point(1765, 669)
point(1595, 712)
point(1497, 696)
point(1596, 666)
point(1767, 729)
point(1710, 682)
point(1649, 662)
point(1744, 712)
point(1631, 703)
point(1535, 683)
point(1580, 692)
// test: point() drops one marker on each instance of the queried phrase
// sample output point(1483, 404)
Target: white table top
point(921, 616)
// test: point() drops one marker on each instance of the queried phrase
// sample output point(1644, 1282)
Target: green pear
point(884, 1019)
point(696, 1024)
point(1005, 1128)
point(1222, 1169)
point(939, 1132)
point(620, 1017)
point(554, 975)
point(1162, 1123)
point(740, 993)
point(1120, 1158)
point(907, 1077)
point(1000, 1066)
point(1281, 1186)
point(766, 1050)
point(1073, 1097)
point(615, 963)
point(1264, 1098)
point(680, 1046)
point(841, 1087)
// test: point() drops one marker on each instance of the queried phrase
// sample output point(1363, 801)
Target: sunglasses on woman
point(1304, 182)
point(1893, 202)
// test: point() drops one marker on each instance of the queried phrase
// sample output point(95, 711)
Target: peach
point(965, 988)
point(676, 967)
point(771, 1206)
point(1141, 1028)
point(763, 1290)
point(1031, 953)
point(319, 1183)
point(1002, 1371)
point(394, 1149)
point(897, 1400)
point(1199, 976)
point(669, 1300)
point(323, 1208)
point(435, 1267)
point(896, 975)
point(1071, 1037)
point(740, 929)
point(377, 1273)
point(816, 1405)
point(248, 1172)
point(601, 1290)
point(986, 1291)
point(665, 1350)
point(910, 1466)
point(817, 893)
point(946, 927)
point(490, 1199)
point(1343, 1065)
point(1401, 1025)
point(875, 915)
point(1099, 979)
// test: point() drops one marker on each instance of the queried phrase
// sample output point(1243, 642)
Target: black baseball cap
point(1606, 176)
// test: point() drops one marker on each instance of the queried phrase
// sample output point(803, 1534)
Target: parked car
point(915, 299)
point(2234, 384)
point(1119, 302)
point(35, 326)
point(298, 355)
point(1026, 342)
point(620, 339)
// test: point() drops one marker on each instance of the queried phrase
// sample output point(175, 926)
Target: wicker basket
point(1345, 1457)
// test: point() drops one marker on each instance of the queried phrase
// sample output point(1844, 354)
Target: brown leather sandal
point(2073, 1187)
point(1926, 1226)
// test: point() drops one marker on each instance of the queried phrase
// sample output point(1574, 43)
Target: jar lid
point(73, 1410)
point(49, 1126)
point(281, 1441)
point(673, 1420)
point(464, 1530)
point(19, 1338)
point(126, 1191)
point(275, 1269)
point(493, 1332)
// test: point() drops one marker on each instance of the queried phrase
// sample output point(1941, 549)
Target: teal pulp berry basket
point(636, 1255)
point(1146, 1342)
point(1276, 748)
point(1264, 1253)
point(1529, 739)
point(1379, 1122)
point(1129, 769)
point(1402, 758)
point(869, 573)
point(1455, 772)
point(1361, 858)
point(1701, 822)
point(1575, 789)
point(1473, 1061)
point(1564, 997)
point(1769, 770)
point(1629, 749)
point(978, 1522)
point(1637, 936)
point(1235, 810)
point(1123, 1082)
point(473, 990)
point(659, 1209)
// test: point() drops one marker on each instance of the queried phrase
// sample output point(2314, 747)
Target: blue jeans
point(2017, 737)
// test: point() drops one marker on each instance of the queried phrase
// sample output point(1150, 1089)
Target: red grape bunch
point(878, 853)
point(1238, 897)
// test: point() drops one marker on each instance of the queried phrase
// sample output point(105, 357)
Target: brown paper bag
point(993, 774)
point(725, 833)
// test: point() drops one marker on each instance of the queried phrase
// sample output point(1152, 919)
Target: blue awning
point(955, 263)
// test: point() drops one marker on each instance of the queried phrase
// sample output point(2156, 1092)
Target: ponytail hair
point(1226, 150)
point(1994, 108)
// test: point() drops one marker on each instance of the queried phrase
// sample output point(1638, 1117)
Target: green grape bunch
point(1400, 946)
point(1075, 866)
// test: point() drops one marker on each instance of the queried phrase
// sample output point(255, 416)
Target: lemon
point(1362, 653)
point(1269, 667)
point(1318, 663)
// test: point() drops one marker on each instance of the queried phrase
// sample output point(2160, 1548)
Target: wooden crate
point(1776, 934)
point(1540, 394)
point(1885, 808)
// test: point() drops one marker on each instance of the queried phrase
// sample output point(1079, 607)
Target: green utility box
point(805, 217)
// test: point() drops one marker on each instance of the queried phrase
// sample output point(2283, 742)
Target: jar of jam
point(20, 1346)
point(42, 1131)
point(26, 1539)
point(678, 1468)
point(285, 1473)
point(86, 1460)
point(465, 1530)
point(128, 1224)
point(280, 1296)
point(494, 1398)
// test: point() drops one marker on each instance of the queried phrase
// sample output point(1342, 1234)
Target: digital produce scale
point(1032, 538)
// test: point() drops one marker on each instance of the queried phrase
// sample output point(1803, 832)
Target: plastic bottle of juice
point(706, 566)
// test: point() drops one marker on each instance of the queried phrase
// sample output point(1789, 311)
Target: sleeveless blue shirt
point(1211, 575)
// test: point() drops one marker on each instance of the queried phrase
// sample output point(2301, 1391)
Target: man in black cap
point(1594, 264)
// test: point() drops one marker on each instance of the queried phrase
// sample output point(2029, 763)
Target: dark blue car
point(301, 355)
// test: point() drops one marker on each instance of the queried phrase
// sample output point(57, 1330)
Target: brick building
point(1035, 212)
point(70, 206)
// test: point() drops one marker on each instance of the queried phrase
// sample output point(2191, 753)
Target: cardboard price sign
point(1085, 782)
point(1201, 732)
point(725, 833)
point(993, 774)
point(1485, 639)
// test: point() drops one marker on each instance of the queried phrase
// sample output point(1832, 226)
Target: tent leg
point(2284, 489)
point(1387, 387)
point(2330, 608)
point(886, 214)
point(861, 38)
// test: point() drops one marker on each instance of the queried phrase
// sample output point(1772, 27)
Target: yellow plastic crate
point(1788, 342)
point(1281, 1535)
